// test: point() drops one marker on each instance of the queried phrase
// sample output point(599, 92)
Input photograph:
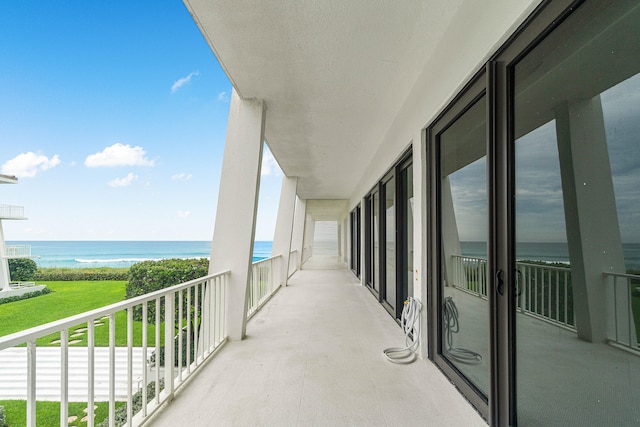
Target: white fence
point(629, 284)
point(544, 291)
point(196, 312)
point(17, 251)
point(265, 280)
point(293, 263)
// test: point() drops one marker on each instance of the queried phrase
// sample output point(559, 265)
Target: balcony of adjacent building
point(12, 212)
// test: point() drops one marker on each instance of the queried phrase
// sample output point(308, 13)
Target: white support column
point(450, 237)
point(591, 220)
point(5, 279)
point(232, 246)
point(284, 225)
point(297, 239)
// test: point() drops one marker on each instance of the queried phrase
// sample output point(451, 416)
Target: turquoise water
point(85, 254)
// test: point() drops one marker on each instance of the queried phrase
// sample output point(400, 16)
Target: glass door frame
point(545, 19)
point(355, 235)
point(471, 94)
point(496, 81)
point(405, 160)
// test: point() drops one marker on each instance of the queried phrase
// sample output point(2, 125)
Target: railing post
point(31, 383)
point(169, 323)
point(129, 365)
point(112, 370)
point(64, 377)
point(91, 371)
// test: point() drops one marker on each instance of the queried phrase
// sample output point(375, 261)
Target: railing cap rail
point(267, 259)
point(57, 325)
point(625, 275)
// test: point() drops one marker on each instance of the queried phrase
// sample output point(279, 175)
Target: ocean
point(88, 254)
point(83, 254)
point(550, 252)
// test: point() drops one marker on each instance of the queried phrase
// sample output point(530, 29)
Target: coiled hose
point(410, 323)
point(452, 326)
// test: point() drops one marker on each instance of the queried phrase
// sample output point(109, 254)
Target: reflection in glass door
point(463, 221)
point(577, 163)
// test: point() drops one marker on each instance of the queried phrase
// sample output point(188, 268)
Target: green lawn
point(68, 299)
point(48, 413)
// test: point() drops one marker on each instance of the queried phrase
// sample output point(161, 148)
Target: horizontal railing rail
point(17, 251)
point(264, 282)
point(544, 291)
point(10, 211)
point(626, 290)
point(189, 317)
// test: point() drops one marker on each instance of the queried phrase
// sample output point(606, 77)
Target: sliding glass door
point(533, 224)
point(460, 285)
point(577, 179)
point(389, 242)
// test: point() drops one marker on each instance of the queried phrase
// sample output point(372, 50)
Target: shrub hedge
point(149, 276)
point(79, 274)
point(25, 296)
point(22, 269)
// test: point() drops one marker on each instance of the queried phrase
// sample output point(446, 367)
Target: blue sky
point(113, 116)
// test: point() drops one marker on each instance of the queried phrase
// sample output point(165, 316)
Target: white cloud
point(184, 214)
point(123, 182)
point(223, 96)
point(27, 165)
point(183, 81)
point(118, 155)
point(182, 177)
point(269, 165)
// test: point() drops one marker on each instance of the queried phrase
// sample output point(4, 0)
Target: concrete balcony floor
point(313, 356)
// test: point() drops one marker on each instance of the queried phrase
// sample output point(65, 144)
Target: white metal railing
point(544, 291)
point(17, 251)
point(624, 334)
point(307, 252)
point(293, 263)
point(195, 311)
point(265, 280)
point(470, 275)
point(21, 285)
point(9, 211)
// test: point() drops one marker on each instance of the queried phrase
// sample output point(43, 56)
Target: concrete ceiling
point(332, 74)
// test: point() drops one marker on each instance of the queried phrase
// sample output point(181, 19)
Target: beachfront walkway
point(313, 356)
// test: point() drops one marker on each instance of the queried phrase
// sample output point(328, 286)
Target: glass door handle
point(500, 282)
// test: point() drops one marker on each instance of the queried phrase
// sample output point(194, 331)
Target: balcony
point(11, 212)
point(313, 355)
point(17, 251)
